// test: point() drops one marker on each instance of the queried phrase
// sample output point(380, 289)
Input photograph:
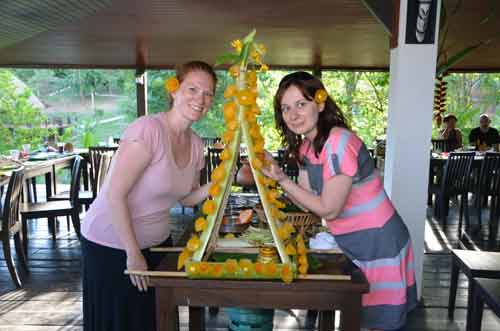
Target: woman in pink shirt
point(338, 182)
point(157, 165)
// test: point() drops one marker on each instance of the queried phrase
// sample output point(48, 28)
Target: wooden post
point(317, 63)
point(141, 84)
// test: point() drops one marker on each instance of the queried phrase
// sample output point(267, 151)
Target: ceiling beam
point(383, 11)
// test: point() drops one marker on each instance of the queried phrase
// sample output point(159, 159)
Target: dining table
point(40, 165)
point(324, 296)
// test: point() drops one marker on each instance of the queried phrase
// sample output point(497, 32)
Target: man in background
point(484, 137)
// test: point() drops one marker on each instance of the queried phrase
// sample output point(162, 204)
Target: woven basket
point(302, 221)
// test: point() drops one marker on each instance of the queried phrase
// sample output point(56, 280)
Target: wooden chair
point(95, 153)
point(104, 165)
point(209, 141)
point(455, 182)
point(472, 264)
point(440, 145)
point(488, 185)
point(485, 291)
point(53, 209)
point(85, 198)
point(11, 226)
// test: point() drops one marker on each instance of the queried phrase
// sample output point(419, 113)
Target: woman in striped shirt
point(338, 182)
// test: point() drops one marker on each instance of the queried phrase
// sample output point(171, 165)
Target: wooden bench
point(487, 291)
point(472, 264)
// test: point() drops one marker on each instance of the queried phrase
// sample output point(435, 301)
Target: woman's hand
point(273, 170)
point(137, 262)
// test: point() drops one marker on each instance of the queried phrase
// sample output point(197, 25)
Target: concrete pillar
point(409, 128)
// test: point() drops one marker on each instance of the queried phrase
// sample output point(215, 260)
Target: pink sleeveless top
point(160, 187)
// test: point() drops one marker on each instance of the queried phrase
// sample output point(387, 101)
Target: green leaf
point(249, 37)
point(228, 58)
point(244, 54)
point(457, 58)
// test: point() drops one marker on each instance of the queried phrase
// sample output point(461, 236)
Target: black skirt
point(110, 301)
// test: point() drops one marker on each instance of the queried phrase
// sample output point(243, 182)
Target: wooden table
point(43, 168)
point(323, 296)
point(472, 264)
point(484, 291)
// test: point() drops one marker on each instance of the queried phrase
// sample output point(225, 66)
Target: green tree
point(20, 122)
point(363, 98)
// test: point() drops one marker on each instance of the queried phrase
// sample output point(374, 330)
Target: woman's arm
point(130, 162)
point(303, 182)
point(328, 204)
point(197, 195)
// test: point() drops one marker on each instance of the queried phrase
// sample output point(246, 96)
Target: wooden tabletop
point(484, 262)
point(38, 168)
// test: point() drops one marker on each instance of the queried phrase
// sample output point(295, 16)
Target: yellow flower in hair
point(237, 45)
point(172, 84)
point(320, 96)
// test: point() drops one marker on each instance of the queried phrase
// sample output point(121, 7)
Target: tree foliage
point(20, 122)
point(363, 97)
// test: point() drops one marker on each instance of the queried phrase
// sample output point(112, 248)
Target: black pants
point(110, 301)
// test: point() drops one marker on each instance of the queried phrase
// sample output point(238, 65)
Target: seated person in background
point(484, 137)
point(451, 133)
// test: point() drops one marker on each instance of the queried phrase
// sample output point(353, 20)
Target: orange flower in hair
point(320, 96)
point(172, 84)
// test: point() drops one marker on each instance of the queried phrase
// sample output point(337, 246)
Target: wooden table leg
point(326, 320)
point(453, 288)
point(167, 314)
point(54, 179)
point(85, 174)
point(196, 318)
point(350, 317)
point(475, 311)
point(48, 184)
point(470, 305)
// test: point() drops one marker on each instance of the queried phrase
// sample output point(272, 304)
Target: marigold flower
point(264, 68)
point(217, 270)
point(251, 78)
point(226, 154)
point(287, 274)
point(172, 84)
point(193, 244)
point(230, 91)
point(246, 98)
point(209, 207)
point(320, 96)
point(256, 56)
point(234, 70)
point(230, 109)
point(201, 223)
point(237, 45)
point(262, 48)
point(231, 266)
point(183, 257)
